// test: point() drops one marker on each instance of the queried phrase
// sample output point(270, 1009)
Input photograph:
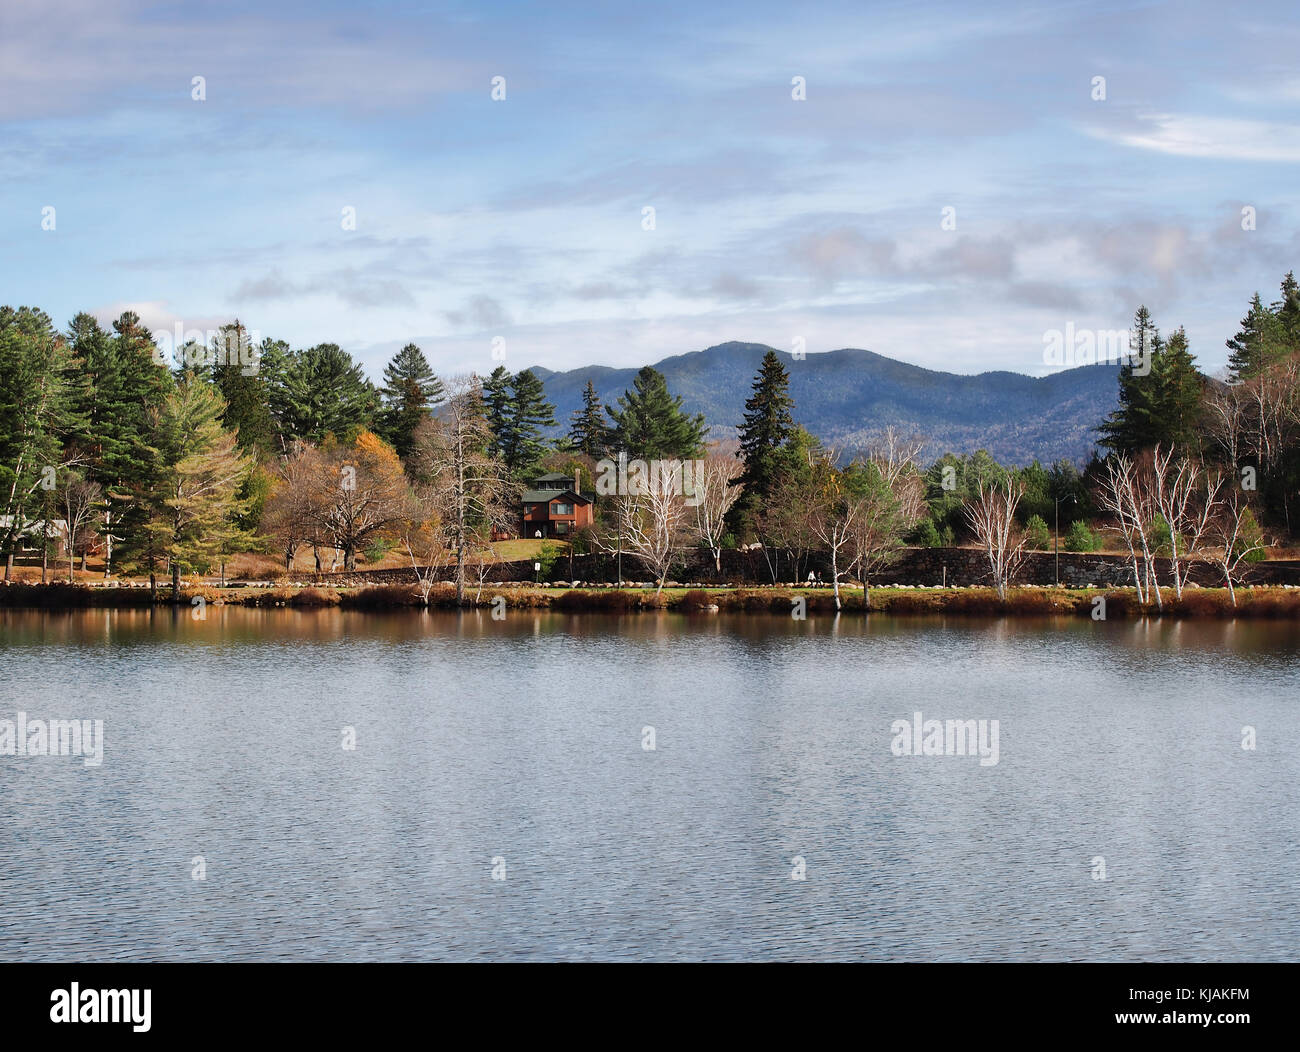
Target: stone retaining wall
point(917, 566)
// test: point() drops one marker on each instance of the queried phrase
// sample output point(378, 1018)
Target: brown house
point(556, 507)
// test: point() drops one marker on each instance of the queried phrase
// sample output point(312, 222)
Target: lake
point(503, 800)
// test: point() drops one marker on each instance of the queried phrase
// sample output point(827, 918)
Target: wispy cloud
point(775, 217)
point(1218, 138)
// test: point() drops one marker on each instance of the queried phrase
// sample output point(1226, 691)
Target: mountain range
point(848, 397)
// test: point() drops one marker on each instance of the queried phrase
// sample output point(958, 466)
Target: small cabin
point(554, 507)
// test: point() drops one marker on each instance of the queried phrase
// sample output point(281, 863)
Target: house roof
point(545, 496)
point(554, 476)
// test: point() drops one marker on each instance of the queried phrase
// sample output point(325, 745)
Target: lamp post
point(537, 569)
point(622, 460)
point(1056, 541)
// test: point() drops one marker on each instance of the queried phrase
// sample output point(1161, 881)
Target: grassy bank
point(1120, 603)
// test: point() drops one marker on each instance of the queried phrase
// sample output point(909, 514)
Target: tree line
point(167, 468)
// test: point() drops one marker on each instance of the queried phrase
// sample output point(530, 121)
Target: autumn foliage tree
point(193, 509)
point(361, 494)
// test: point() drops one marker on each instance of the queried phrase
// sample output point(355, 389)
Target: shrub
point(1161, 538)
point(1248, 536)
point(1119, 604)
point(696, 600)
point(377, 549)
point(1202, 603)
point(1268, 603)
point(315, 597)
point(1037, 535)
point(926, 535)
point(613, 600)
point(208, 595)
point(912, 602)
point(275, 597)
point(548, 556)
point(384, 596)
point(1081, 539)
point(1039, 601)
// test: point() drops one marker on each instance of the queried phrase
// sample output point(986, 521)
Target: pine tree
point(588, 432)
point(273, 360)
point(1160, 406)
point(496, 408)
point(237, 375)
point(127, 383)
point(194, 505)
point(1287, 311)
point(37, 417)
point(324, 392)
point(410, 392)
point(529, 413)
point(1181, 387)
point(649, 424)
point(764, 433)
point(1249, 349)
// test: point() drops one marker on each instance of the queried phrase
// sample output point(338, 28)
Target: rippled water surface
point(521, 741)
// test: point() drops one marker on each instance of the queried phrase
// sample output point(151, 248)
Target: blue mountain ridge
point(848, 397)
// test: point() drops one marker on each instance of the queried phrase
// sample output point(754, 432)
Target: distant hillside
point(848, 397)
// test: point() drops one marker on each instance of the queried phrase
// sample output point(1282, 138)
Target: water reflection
point(522, 740)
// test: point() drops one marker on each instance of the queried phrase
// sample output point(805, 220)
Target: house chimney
point(577, 482)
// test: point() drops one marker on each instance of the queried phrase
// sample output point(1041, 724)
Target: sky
point(518, 225)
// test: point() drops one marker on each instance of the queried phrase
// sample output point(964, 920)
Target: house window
point(561, 528)
point(561, 509)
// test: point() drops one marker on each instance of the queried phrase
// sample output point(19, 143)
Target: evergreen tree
point(764, 433)
point(1249, 349)
point(236, 374)
point(410, 391)
point(1180, 390)
point(324, 392)
point(649, 424)
point(37, 416)
point(1162, 405)
point(529, 412)
point(130, 382)
point(194, 506)
point(588, 433)
point(496, 408)
point(273, 360)
point(1287, 311)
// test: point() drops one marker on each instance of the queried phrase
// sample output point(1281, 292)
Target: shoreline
point(1258, 602)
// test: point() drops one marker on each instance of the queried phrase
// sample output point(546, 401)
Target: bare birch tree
point(1234, 546)
point(830, 511)
point(424, 540)
point(1185, 497)
point(464, 481)
point(991, 514)
point(889, 503)
point(714, 494)
point(1126, 500)
point(654, 521)
point(79, 500)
